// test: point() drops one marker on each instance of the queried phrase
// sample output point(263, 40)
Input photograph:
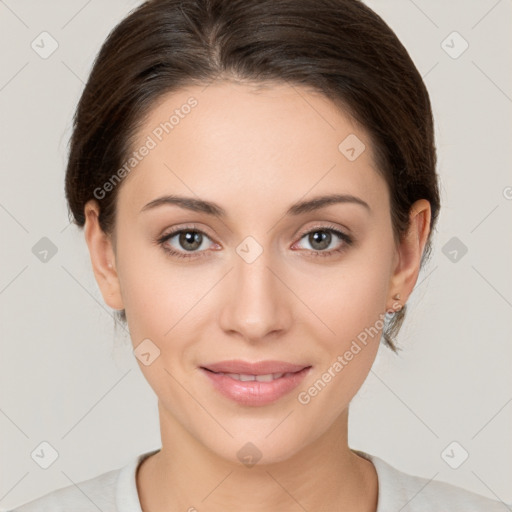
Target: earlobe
point(102, 257)
point(410, 250)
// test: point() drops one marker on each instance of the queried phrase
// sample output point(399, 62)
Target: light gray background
point(69, 378)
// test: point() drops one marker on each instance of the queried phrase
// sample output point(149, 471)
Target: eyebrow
point(210, 208)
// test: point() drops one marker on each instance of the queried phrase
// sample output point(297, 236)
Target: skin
point(254, 152)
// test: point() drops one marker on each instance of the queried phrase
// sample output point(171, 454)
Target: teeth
point(265, 378)
point(269, 377)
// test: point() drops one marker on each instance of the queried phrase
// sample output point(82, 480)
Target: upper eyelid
point(175, 231)
point(326, 227)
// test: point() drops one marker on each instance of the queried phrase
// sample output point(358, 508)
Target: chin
point(254, 446)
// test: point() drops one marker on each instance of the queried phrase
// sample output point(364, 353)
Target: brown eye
point(319, 240)
point(185, 243)
point(190, 240)
point(322, 238)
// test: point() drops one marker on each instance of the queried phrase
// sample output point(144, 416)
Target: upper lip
point(257, 368)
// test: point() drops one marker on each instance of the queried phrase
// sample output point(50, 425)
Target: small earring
point(397, 296)
point(110, 265)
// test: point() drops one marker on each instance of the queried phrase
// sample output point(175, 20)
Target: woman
point(257, 185)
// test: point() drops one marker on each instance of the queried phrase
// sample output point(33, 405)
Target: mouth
point(245, 377)
point(255, 384)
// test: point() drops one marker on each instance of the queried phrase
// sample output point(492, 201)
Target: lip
point(255, 393)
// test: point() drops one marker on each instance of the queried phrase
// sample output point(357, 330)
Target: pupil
point(323, 238)
point(190, 240)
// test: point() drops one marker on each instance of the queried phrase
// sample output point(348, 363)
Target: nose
point(257, 305)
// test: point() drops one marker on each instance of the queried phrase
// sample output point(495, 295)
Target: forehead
point(243, 144)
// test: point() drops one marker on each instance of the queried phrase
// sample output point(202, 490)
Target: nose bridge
point(256, 305)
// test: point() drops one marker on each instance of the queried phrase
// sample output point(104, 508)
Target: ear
point(410, 251)
point(102, 256)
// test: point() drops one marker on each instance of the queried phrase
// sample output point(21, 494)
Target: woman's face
point(269, 279)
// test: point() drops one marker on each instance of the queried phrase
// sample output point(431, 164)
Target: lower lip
point(255, 393)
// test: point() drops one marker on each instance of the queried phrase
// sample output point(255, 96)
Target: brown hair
point(340, 48)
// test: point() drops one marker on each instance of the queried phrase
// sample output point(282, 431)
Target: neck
point(325, 475)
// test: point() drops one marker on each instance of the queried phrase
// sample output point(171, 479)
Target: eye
point(185, 240)
point(190, 242)
point(325, 237)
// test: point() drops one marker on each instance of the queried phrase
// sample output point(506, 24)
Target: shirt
point(116, 491)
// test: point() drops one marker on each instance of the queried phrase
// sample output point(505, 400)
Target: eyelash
point(348, 241)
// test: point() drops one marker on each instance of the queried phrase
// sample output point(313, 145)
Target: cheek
point(156, 290)
point(353, 305)
point(162, 305)
point(351, 300)
point(348, 297)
